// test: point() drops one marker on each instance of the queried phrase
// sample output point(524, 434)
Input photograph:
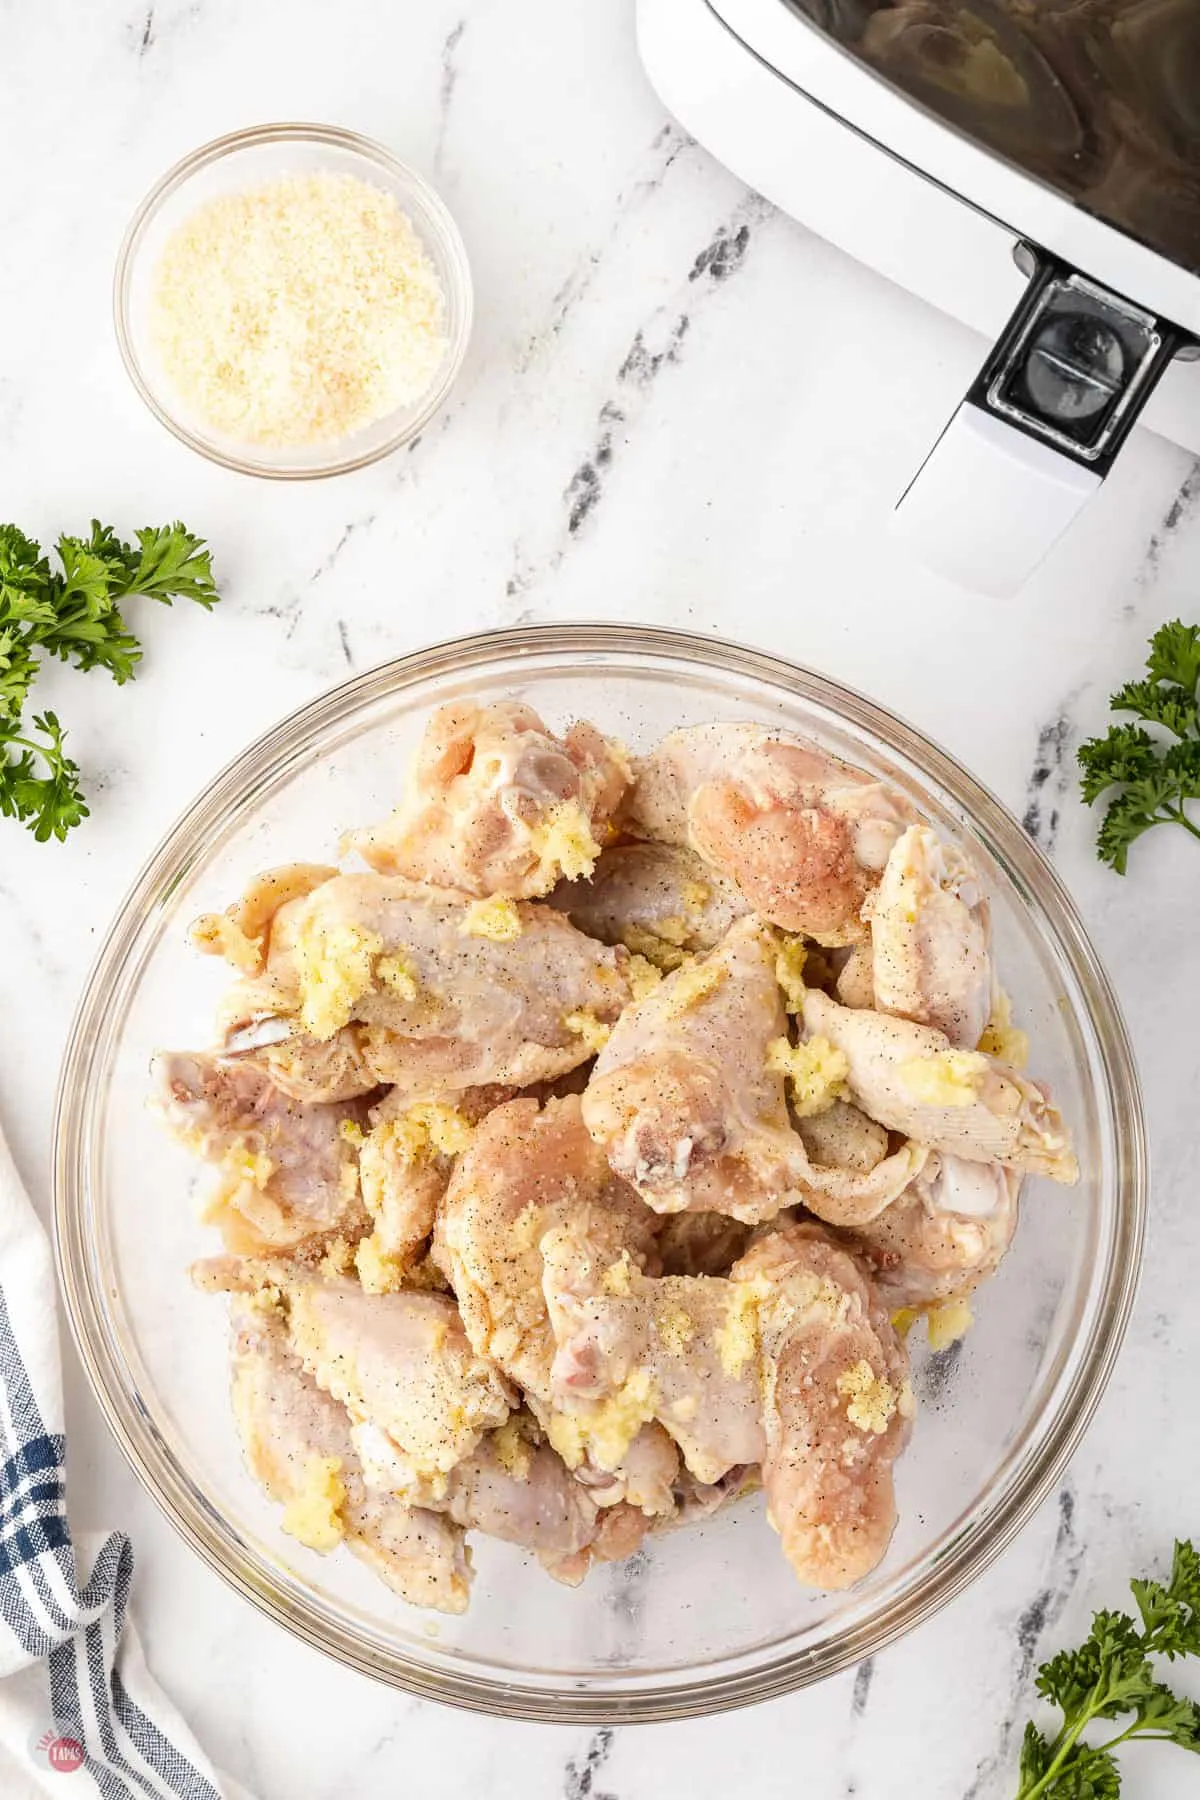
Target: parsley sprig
point(73, 612)
point(1111, 1676)
point(1157, 776)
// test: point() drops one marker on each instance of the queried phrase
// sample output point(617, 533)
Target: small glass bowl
point(701, 1619)
point(243, 160)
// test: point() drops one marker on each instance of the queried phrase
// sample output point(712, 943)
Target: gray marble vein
point(446, 87)
point(1039, 1612)
point(1181, 508)
point(666, 146)
point(1050, 779)
point(863, 1677)
point(579, 1779)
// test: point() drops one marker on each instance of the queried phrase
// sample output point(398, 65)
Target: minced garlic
point(336, 965)
point(737, 1338)
point(564, 845)
point(1001, 1038)
point(496, 918)
point(338, 1258)
point(643, 977)
point(512, 1448)
point(816, 1070)
point(426, 1131)
point(871, 1399)
point(313, 1515)
point(378, 1271)
point(593, 1031)
point(617, 1280)
point(676, 1329)
point(658, 951)
point(397, 974)
point(298, 311)
point(948, 1321)
point(691, 985)
point(789, 972)
point(607, 1428)
point(945, 1078)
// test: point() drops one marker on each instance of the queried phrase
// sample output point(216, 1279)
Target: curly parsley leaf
point(1175, 655)
point(1152, 781)
point(72, 612)
point(39, 784)
point(1112, 1676)
point(172, 565)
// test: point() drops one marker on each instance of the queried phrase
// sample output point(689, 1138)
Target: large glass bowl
point(704, 1618)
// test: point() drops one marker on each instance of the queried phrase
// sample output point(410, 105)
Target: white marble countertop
point(669, 413)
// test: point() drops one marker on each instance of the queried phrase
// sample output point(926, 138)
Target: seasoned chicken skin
point(682, 1098)
point(433, 1004)
point(690, 1107)
point(399, 1362)
point(659, 900)
point(792, 1363)
point(513, 1486)
point(836, 1404)
point(633, 1349)
point(495, 804)
point(802, 835)
point(242, 933)
point(842, 1137)
point(911, 1079)
point(930, 939)
point(944, 1235)
point(526, 1170)
point(289, 1175)
point(404, 1166)
point(297, 1443)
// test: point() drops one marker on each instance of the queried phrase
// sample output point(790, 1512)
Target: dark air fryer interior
point(1098, 98)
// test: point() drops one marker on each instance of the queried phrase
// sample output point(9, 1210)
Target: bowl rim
point(968, 1555)
point(451, 247)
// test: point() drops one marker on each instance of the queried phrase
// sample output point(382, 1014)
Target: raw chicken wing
point(432, 1000)
point(242, 934)
point(288, 1172)
point(495, 804)
point(297, 1443)
point(631, 1349)
point(690, 1107)
point(400, 1362)
point(836, 1404)
point(929, 939)
point(513, 1486)
point(526, 1171)
point(911, 1079)
point(404, 1166)
point(804, 836)
point(944, 1234)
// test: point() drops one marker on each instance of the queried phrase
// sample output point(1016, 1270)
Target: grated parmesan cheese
point(298, 311)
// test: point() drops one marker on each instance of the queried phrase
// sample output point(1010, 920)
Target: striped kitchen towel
point(76, 1698)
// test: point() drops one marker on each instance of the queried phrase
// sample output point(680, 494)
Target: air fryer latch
point(1036, 433)
point(1075, 363)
